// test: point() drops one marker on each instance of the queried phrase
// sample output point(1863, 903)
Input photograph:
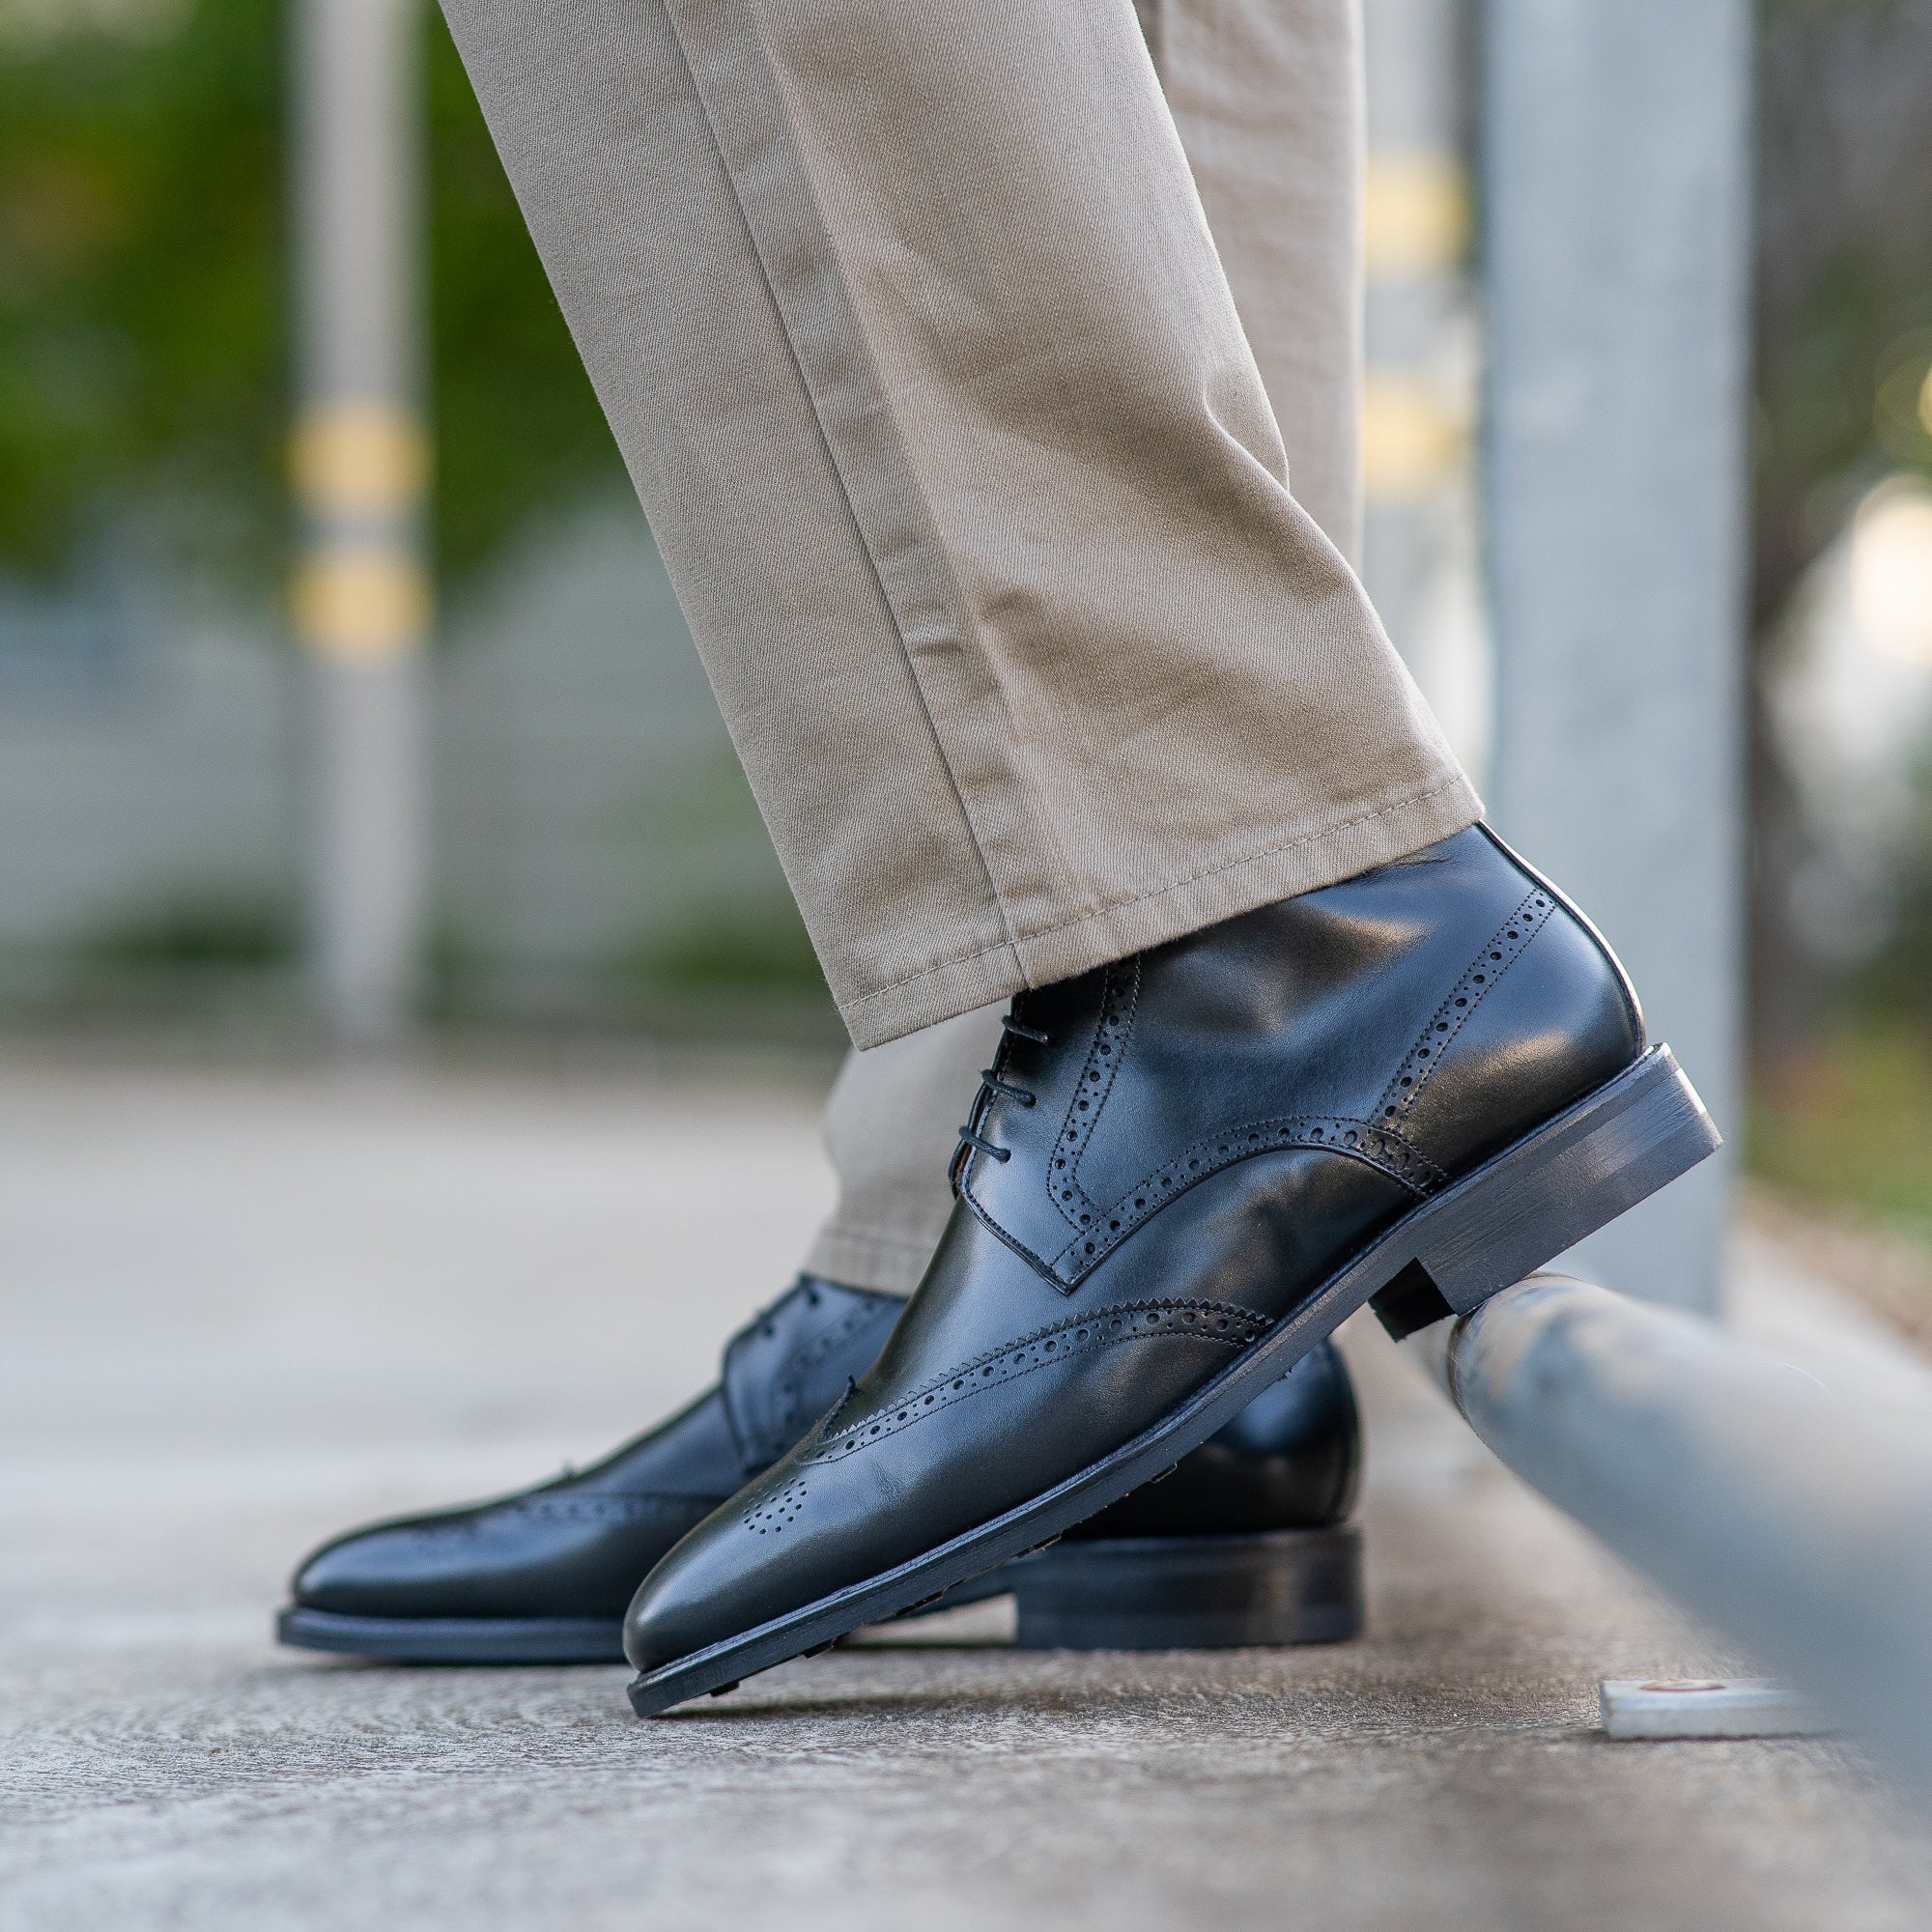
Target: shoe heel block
point(1272, 1587)
point(1572, 1176)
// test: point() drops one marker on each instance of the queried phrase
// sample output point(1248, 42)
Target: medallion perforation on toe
point(777, 1514)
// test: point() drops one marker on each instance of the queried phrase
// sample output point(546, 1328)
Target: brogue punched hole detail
point(1468, 992)
point(771, 1515)
point(1227, 1324)
point(1382, 1148)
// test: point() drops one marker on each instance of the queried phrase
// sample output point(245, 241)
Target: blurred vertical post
point(361, 597)
point(1616, 165)
point(1418, 403)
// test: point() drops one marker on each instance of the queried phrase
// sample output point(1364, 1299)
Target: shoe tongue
point(783, 1369)
point(755, 1361)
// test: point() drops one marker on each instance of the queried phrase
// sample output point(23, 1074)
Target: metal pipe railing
point(1783, 1515)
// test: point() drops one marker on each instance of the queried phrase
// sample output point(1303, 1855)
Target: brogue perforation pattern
point(604, 1508)
point(623, 1506)
point(777, 1514)
point(1381, 1141)
point(1120, 990)
point(1382, 1147)
point(1227, 1325)
point(787, 1417)
point(1478, 982)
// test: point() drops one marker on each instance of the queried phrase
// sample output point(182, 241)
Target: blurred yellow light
point(1413, 440)
point(1416, 213)
point(1892, 571)
point(363, 603)
point(358, 460)
point(1925, 402)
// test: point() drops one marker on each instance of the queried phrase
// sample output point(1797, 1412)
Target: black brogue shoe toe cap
point(557, 1554)
point(399, 1568)
point(703, 1592)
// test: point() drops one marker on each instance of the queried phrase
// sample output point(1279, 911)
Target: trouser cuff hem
point(1301, 862)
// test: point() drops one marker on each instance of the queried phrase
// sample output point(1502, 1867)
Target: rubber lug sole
point(1518, 1211)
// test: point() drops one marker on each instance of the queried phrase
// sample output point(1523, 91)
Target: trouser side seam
point(943, 593)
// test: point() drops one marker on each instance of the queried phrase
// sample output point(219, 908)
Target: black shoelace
point(764, 1323)
point(991, 1083)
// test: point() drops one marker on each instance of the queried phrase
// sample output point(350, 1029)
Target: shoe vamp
point(568, 1555)
point(996, 1387)
point(811, 1526)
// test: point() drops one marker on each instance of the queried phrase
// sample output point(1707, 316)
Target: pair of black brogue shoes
point(1246, 1542)
point(1112, 1395)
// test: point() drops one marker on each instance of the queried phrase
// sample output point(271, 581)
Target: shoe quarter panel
point(1253, 1240)
point(1285, 1028)
point(1553, 1028)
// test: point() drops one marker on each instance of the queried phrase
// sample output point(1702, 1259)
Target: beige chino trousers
point(1266, 99)
point(910, 326)
point(913, 331)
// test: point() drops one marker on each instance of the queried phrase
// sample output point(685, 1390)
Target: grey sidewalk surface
point(242, 1312)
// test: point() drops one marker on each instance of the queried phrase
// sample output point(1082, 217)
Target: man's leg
point(914, 324)
point(1264, 91)
point(1266, 97)
point(891, 1127)
point(910, 326)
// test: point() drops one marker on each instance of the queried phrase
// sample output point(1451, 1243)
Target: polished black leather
point(1290, 1460)
point(575, 1547)
point(1172, 1154)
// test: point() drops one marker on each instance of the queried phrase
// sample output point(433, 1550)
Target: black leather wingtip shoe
point(1246, 1542)
point(543, 1576)
point(1183, 1171)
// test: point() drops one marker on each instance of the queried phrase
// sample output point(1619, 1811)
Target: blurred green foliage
point(1847, 1121)
point(139, 278)
point(144, 299)
point(1843, 285)
point(1843, 342)
point(1894, 987)
point(144, 312)
point(1842, 1098)
point(199, 931)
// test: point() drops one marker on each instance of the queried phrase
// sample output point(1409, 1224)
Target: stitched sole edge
point(1578, 1172)
point(456, 1640)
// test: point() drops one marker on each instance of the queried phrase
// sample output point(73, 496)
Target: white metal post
point(1614, 178)
point(1418, 399)
point(361, 599)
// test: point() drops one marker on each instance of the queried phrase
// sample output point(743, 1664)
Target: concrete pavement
point(242, 1312)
